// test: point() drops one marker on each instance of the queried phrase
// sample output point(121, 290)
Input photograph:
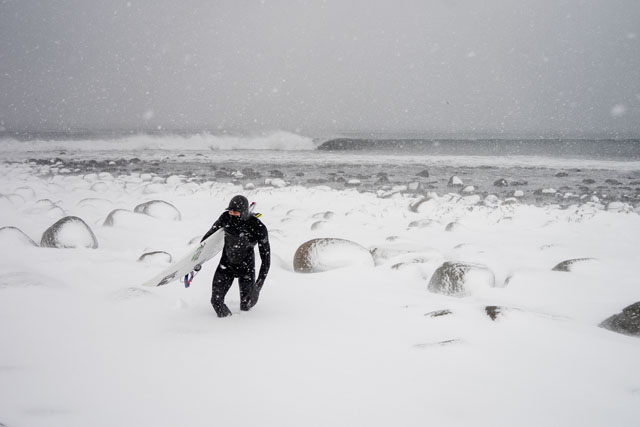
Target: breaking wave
point(280, 141)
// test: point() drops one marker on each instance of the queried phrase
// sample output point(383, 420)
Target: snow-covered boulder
point(460, 278)
point(69, 232)
point(26, 192)
point(319, 225)
point(423, 223)
point(156, 257)
point(15, 199)
point(115, 217)
point(423, 204)
point(154, 188)
point(100, 187)
point(159, 209)
point(4, 201)
point(324, 215)
point(471, 200)
point(569, 264)
point(105, 176)
point(94, 203)
point(491, 201)
point(329, 253)
point(11, 237)
point(174, 180)
point(619, 207)
point(383, 253)
point(275, 182)
point(468, 189)
point(453, 226)
point(627, 322)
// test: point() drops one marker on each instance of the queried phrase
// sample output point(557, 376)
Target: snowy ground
point(84, 345)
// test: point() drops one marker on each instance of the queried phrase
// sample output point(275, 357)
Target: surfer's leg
point(246, 280)
point(246, 290)
point(222, 281)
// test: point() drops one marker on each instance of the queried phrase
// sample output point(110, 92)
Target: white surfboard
point(199, 254)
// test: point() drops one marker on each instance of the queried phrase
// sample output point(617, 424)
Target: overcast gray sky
point(516, 66)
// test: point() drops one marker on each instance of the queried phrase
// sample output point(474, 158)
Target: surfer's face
point(235, 213)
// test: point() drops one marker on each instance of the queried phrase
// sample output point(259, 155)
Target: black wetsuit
point(238, 260)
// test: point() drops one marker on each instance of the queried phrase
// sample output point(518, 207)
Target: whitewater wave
point(279, 141)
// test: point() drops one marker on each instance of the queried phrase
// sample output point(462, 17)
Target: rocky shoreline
point(540, 186)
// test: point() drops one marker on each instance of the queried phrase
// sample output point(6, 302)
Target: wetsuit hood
point(240, 204)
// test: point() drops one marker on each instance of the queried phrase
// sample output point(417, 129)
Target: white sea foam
point(280, 141)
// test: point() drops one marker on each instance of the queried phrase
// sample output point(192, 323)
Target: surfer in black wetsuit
point(242, 231)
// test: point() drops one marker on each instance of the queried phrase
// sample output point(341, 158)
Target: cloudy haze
point(454, 66)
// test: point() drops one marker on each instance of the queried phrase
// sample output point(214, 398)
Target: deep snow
point(84, 344)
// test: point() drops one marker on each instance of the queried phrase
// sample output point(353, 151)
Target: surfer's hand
point(197, 267)
point(259, 283)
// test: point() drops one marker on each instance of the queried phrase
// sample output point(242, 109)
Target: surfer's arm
point(215, 227)
point(265, 256)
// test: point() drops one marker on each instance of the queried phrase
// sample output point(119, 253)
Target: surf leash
point(188, 278)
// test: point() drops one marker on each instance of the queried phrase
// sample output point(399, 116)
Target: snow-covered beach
point(363, 344)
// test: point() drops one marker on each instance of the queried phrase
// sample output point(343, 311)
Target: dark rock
point(561, 175)
point(518, 183)
point(222, 174)
point(438, 313)
point(250, 173)
point(612, 182)
point(568, 264)
point(299, 173)
point(451, 277)
point(454, 181)
point(588, 181)
point(493, 311)
point(423, 174)
point(276, 174)
point(501, 183)
point(627, 322)
point(382, 180)
point(69, 232)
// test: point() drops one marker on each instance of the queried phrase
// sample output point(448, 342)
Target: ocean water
point(568, 171)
